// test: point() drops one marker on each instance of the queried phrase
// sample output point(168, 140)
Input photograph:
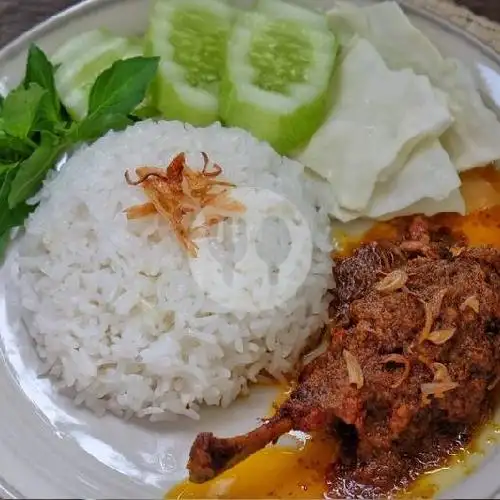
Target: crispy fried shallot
point(436, 389)
point(440, 373)
point(179, 194)
point(400, 360)
point(494, 383)
point(456, 251)
point(315, 353)
point(138, 211)
point(471, 302)
point(439, 337)
point(354, 371)
point(432, 310)
point(426, 361)
point(392, 282)
point(442, 383)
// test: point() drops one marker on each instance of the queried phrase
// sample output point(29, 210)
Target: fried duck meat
point(413, 359)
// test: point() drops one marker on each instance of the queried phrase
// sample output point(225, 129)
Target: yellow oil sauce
point(456, 468)
point(481, 191)
point(298, 471)
point(274, 472)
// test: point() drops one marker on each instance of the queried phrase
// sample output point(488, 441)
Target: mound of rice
point(112, 305)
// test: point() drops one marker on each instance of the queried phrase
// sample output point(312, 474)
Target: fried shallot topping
point(432, 309)
point(354, 371)
point(179, 194)
point(392, 282)
point(494, 383)
point(398, 359)
point(471, 302)
point(439, 337)
point(442, 383)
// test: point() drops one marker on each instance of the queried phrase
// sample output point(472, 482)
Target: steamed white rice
point(112, 305)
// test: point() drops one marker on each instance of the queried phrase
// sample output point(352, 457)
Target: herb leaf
point(15, 217)
point(32, 171)
point(20, 110)
point(114, 95)
point(39, 70)
point(122, 87)
point(4, 195)
point(12, 149)
point(10, 218)
point(5, 168)
point(5, 180)
point(91, 128)
point(4, 243)
point(46, 118)
point(145, 112)
point(35, 128)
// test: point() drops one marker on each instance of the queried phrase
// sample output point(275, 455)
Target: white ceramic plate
point(51, 449)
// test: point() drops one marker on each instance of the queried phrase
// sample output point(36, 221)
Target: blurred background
point(17, 16)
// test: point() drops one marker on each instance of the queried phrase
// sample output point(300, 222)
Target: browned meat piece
point(359, 274)
point(427, 340)
point(211, 456)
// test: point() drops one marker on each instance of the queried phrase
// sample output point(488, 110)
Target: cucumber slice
point(274, 9)
point(278, 71)
point(190, 36)
point(81, 60)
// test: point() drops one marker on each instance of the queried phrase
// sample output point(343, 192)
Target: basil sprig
point(36, 130)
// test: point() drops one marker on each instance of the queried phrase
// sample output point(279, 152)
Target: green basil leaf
point(122, 87)
point(4, 243)
point(15, 217)
point(32, 171)
point(91, 128)
point(20, 110)
point(145, 112)
point(13, 149)
point(5, 181)
point(7, 167)
point(47, 118)
point(39, 70)
point(10, 218)
point(5, 185)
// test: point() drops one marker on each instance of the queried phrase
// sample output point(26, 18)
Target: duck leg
point(210, 456)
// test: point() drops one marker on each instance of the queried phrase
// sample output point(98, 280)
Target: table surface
point(17, 16)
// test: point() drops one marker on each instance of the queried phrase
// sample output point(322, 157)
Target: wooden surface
point(17, 16)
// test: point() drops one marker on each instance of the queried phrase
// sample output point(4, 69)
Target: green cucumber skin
point(172, 107)
point(166, 97)
point(83, 79)
point(267, 126)
point(287, 128)
point(281, 9)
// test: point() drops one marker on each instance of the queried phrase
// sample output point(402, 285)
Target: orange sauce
point(481, 191)
point(481, 227)
point(274, 472)
point(459, 465)
point(298, 471)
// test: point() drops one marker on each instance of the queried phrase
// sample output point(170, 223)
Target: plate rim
point(52, 24)
point(447, 25)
